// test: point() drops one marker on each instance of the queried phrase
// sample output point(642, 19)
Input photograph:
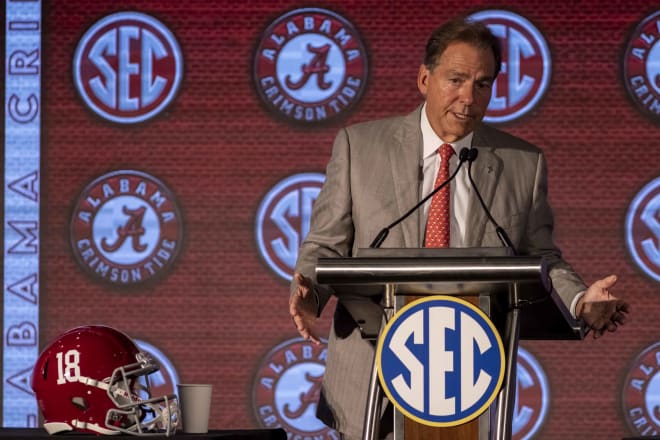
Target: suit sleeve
point(538, 239)
point(331, 230)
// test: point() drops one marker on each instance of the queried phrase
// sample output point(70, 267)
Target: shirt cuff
point(574, 303)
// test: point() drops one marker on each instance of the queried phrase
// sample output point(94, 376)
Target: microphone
point(501, 233)
point(463, 156)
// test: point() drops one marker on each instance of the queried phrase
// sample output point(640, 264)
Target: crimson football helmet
point(93, 379)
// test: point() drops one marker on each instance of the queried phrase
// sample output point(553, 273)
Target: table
point(238, 434)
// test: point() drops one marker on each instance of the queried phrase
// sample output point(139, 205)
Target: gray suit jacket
point(371, 180)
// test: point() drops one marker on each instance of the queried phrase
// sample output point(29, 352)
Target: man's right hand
point(303, 306)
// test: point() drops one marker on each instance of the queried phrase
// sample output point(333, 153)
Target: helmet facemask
point(136, 411)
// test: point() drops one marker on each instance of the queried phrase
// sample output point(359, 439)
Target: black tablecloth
point(239, 434)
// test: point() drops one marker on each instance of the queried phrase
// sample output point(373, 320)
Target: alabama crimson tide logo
point(641, 393)
point(641, 66)
point(283, 220)
point(643, 229)
point(127, 67)
point(526, 65)
point(126, 228)
point(287, 386)
point(310, 66)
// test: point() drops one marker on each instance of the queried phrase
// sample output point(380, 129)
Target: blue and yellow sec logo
point(441, 361)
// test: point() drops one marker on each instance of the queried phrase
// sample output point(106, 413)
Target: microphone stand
point(501, 233)
point(463, 156)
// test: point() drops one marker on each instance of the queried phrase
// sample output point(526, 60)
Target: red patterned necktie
point(437, 226)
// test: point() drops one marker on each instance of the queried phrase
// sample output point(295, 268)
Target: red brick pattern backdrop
point(220, 309)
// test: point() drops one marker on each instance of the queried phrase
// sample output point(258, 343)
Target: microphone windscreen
point(463, 155)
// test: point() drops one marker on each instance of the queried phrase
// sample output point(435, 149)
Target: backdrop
point(161, 159)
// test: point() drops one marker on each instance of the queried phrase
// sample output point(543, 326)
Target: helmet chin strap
point(94, 427)
point(56, 427)
point(164, 423)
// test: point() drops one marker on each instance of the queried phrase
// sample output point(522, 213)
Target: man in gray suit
point(373, 178)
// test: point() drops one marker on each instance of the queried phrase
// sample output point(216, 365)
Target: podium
point(514, 291)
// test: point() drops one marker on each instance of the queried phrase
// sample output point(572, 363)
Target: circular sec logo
point(641, 66)
point(532, 397)
point(164, 381)
point(643, 229)
point(641, 393)
point(127, 67)
point(440, 361)
point(310, 66)
point(283, 220)
point(286, 389)
point(526, 65)
point(126, 228)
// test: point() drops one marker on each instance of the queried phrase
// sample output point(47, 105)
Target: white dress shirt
point(459, 188)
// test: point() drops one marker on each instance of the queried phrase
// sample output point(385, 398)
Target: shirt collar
point(432, 141)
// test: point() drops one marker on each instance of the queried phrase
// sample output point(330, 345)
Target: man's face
point(457, 89)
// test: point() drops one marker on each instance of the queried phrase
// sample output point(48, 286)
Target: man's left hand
point(601, 310)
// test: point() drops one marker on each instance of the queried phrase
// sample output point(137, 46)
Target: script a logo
point(127, 67)
point(643, 229)
point(526, 65)
point(286, 389)
point(440, 361)
point(283, 220)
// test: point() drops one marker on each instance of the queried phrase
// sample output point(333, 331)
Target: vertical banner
point(21, 210)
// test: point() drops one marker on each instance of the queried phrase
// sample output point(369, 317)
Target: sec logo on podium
point(440, 361)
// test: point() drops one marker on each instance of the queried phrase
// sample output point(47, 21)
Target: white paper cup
point(195, 404)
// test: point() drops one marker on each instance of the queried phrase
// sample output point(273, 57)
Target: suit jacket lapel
point(405, 159)
point(486, 171)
